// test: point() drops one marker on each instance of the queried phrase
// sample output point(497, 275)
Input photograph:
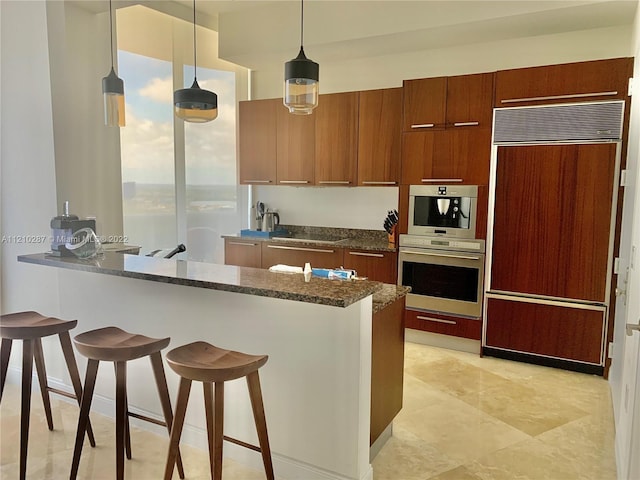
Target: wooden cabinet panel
point(257, 142)
point(462, 155)
point(378, 266)
point(470, 100)
point(552, 220)
point(569, 82)
point(387, 366)
point(337, 139)
point(424, 103)
point(319, 257)
point(243, 253)
point(295, 147)
point(443, 324)
point(554, 331)
point(417, 157)
point(379, 136)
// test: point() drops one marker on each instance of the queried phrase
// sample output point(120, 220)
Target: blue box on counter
point(338, 273)
point(258, 233)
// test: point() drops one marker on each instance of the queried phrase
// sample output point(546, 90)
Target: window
point(179, 179)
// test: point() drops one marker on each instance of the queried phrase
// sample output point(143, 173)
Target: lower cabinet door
point(318, 257)
point(377, 266)
point(550, 329)
point(444, 324)
point(243, 253)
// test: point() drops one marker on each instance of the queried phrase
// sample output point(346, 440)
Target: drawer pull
point(379, 183)
point(294, 181)
point(244, 244)
point(258, 181)
point(335, 182)
point(559, 97)
point(423, 125)
point(440, 180)
point(301, 249)
point(438, 320)
point(362, 254)
point(466, 124)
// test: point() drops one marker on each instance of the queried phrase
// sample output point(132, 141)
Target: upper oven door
point(445, 210)
point(442, 280)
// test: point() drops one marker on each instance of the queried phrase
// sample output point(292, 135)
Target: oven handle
point(447, 255)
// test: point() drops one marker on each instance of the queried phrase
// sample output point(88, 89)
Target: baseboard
point(545, 361)
point(442, 341)
point(380, 442)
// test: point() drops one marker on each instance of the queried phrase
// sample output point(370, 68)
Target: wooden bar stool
point(112, 344)
point(205, 363)
point(31, 327)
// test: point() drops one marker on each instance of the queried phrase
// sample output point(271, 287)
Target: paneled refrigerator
point(553, 200)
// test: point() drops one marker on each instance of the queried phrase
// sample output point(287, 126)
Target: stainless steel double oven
point(439, 258)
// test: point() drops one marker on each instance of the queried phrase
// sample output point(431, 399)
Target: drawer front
point(443, 324)
point(378, 266)
point(243, 253)
point(287, 254)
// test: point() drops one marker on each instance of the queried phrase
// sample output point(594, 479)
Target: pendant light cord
point(195, 76)
point(111, 31)
point(301, 22)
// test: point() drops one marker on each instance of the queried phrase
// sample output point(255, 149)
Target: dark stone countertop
point(250, 281)
point(387, 295)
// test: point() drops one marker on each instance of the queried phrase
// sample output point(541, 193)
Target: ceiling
point(255, 33)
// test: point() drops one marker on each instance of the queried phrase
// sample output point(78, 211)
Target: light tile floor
point(464, 418)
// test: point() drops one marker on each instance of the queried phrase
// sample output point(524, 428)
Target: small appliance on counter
point(63, 228)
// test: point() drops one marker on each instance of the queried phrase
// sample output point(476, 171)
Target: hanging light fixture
point(195, 104)
point(301, 79)
point(113, 89)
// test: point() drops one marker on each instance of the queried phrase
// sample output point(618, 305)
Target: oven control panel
point(421, 241)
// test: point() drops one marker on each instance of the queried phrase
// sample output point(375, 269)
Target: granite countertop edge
point(351, 243)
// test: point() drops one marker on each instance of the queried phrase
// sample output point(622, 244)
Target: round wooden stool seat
point(115, 345)
point(29, 325)
point(203, 362)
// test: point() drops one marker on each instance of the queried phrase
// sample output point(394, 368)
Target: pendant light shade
point(113, 90)
point(195, 104)
point(301, 77)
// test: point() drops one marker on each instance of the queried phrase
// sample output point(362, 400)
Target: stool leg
point(127, 429)
point(5, 353)
point(42, 380)
point(176, 428)
point(121, 416)
point(72, 367)
point(165, 401)
point(255, 393)
point(25, 410)
point(218, 421)
point(83, 417)
point(207, 388)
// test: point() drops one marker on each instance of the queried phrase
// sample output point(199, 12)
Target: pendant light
point(195, 104)
point(301, 79)
point(113, 89)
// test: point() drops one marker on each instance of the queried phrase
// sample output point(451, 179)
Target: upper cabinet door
point(470, 100)
point(337, 139)
point(296, 148)
point(569, 82)
point(257, 142)
point(424, 103)
point(379, 137)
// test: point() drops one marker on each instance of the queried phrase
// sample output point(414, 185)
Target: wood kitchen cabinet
point(242, 252)
point(424, 103)
point(274, 253)
point(296, 138)
point(379, 137)
point(336, 145)
point(444, 324)
point(378, 266)
point(257, 141)
point(569, 82)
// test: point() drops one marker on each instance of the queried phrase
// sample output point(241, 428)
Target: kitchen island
point(317, 384)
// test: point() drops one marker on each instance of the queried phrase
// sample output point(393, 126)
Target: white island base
point(316, 383)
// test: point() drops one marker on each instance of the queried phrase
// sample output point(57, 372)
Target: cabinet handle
point(243, 244)
point(558, 97)
point(362, 254)
point(301, 249)
point(439, 320)
point(440, 180)
point(294, 181)
point(379, 183)
point(258, 181)
point(466, 124)
point(335, 182)
point(423, 125)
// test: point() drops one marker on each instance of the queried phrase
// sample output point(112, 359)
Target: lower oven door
point(443, 281)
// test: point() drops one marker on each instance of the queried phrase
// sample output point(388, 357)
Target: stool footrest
point(147, 419)
point(62, 392)
point(241, 443)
